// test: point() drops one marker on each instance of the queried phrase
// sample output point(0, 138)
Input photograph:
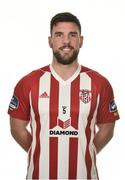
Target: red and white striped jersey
point(63, 115)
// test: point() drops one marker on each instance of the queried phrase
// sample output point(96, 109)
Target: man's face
point(65, 42)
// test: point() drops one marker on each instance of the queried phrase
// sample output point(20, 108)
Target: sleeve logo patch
point(14, 103)
point(112, 106)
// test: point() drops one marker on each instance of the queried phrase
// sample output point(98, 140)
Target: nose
point(66, 39)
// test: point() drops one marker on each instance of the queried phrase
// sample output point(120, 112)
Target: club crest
point(85, 95)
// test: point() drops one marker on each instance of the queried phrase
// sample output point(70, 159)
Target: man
point(63, 102)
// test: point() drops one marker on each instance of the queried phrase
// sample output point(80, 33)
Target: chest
point(64, 100)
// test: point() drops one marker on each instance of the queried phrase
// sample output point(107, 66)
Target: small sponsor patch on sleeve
point(14, 103)
point(112, 106)
point(116, 113)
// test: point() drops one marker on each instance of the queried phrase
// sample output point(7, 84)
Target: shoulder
point(32, 78)
point(96, 78)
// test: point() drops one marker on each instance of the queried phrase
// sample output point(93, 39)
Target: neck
point(65, 71)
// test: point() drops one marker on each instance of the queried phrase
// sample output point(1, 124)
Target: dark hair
point(64, 17)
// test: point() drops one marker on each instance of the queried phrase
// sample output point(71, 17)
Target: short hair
point(64, 17)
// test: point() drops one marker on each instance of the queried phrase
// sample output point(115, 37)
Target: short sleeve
point(19, 106)
point(107, 109)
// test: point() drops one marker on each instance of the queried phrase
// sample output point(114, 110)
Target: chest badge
point(85, 95)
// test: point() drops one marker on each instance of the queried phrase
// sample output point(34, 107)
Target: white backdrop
point(24, 29)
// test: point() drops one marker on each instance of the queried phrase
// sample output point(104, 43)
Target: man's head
point(64, 17)
point(65, 39)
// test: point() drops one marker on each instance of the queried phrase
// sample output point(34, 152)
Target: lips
point(66, 48)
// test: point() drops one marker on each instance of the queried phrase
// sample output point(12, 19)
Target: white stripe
point(92, 148)
point(44, 120)
point(63, 141)
point(85, 83)
point(33, 125)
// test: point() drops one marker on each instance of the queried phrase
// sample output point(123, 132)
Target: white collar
point(69, 80)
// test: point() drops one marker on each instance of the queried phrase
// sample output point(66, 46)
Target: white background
point(24, 29)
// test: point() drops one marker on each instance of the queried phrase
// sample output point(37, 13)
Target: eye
point(73, 34)
point(58, 34)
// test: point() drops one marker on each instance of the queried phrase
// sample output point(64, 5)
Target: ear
point(50, 41)
point(81, 41)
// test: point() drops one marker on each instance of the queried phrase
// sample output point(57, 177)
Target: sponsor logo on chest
point(63, 128)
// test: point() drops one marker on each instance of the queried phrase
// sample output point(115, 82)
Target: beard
point(65, 59)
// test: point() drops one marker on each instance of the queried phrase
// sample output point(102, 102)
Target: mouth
point(66, 49)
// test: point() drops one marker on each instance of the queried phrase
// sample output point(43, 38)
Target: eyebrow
point(58, 32)
point(71, 32)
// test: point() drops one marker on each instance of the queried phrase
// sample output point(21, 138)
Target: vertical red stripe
point(37, 152)
point(35, 102)
point(87, 154)
point(75, 86)
point(53, 149)
point(54, 98)
point(73, 142)
point(53, 157)
point(73, 152)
